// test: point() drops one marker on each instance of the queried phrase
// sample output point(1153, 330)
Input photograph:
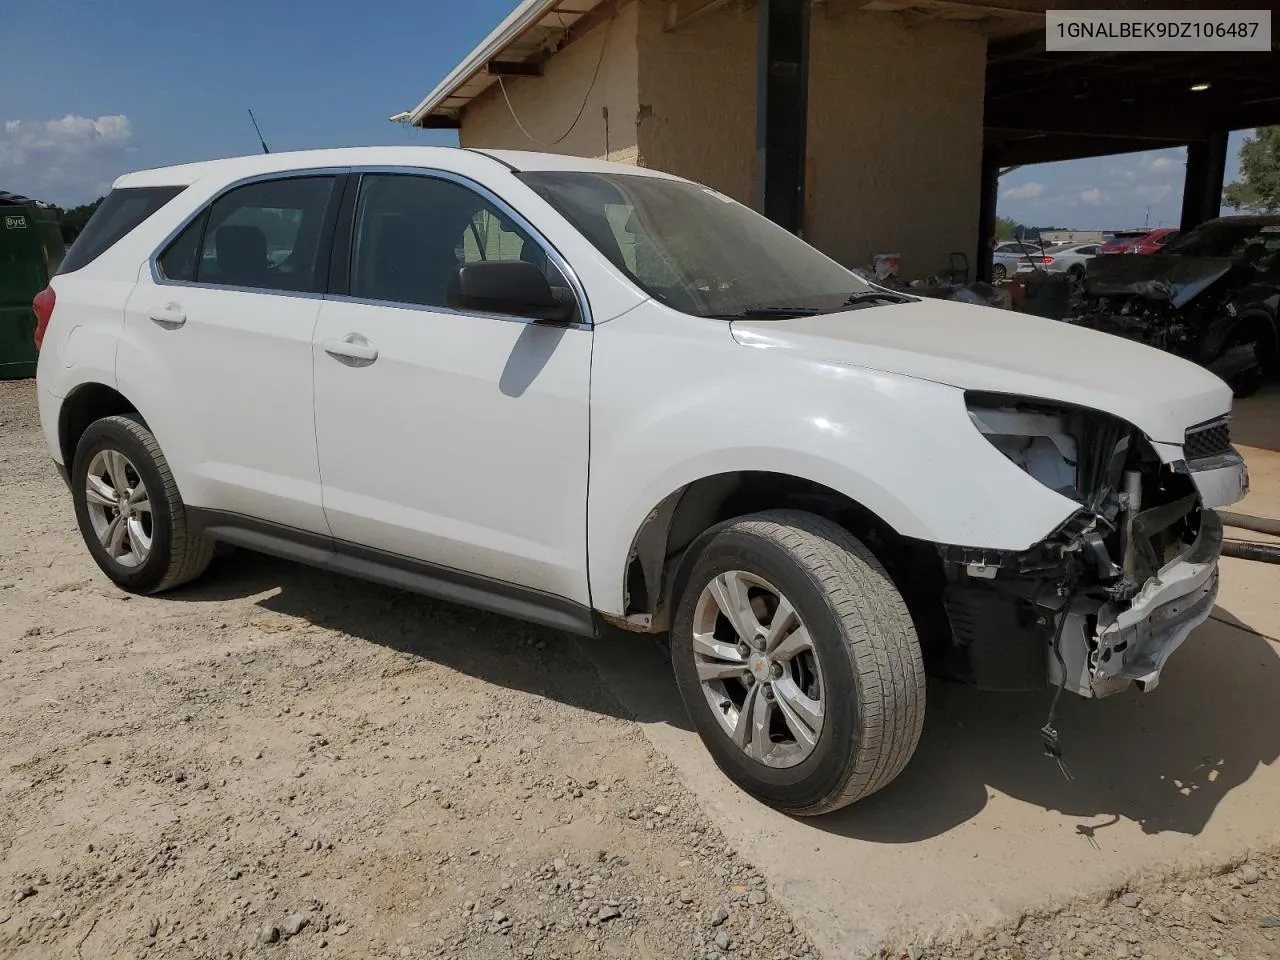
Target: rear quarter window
point(120, 213)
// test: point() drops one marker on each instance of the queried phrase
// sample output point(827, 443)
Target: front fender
point(676, 399)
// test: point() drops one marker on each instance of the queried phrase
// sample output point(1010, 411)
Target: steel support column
point(1202, 188)
point(988, 194)
point(782, 110)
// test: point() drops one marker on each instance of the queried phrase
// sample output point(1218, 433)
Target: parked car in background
point(1005, 256)
point(1068, 258)
point(1212, 295)
point(437, 368)
point(1138, 241)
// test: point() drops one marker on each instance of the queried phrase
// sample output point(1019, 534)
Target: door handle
point(353, 350)
point(170, 316)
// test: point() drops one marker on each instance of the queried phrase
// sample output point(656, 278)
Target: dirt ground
point(275, 762)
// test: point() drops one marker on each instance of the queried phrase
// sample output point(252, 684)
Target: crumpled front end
point(1173, 303)
point(1101, 603)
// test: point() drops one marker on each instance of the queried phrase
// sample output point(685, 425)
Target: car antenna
point(258, 131)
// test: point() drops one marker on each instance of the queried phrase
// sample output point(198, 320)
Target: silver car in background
point(1069, 258)
point(1006, 254)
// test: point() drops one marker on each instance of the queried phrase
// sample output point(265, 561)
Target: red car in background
point(1137, 241)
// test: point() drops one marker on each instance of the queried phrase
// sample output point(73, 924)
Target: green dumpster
point(31, 249)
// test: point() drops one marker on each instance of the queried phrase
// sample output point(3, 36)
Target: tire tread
point(880, 637)
point(189, 552)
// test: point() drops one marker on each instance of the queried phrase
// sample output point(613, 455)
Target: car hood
point(1155, 276)
point(982, 348)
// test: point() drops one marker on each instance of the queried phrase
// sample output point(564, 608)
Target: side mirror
point(512, 287)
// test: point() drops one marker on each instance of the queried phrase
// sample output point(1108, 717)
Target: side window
point(181, 258)
point(1087, 251)
point(264, 235)
point(412, 232)
point(115, 218)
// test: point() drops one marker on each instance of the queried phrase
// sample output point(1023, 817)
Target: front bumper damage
point(1109, 648)
point(1100, 604)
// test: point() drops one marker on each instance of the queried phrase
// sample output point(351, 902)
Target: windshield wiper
point(767, 313)
point(877, 296)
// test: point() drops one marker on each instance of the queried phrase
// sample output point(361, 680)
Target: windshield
point(697, 250)
point(1226, 239)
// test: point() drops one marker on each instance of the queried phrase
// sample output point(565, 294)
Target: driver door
point(450, 438)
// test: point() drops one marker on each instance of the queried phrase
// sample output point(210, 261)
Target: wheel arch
point(86, 403)
point(660, 550)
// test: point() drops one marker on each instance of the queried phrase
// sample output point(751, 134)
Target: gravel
point(151, 747)
point(1223, 913)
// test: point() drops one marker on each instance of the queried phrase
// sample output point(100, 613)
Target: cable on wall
point(604, 45)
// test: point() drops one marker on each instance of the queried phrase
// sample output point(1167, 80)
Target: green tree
point(1258, 189)
point(72, 221)
point(1006, 229)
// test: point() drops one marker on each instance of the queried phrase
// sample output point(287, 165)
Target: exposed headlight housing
point(1073, 451)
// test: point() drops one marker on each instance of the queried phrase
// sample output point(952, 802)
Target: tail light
point(43, 307)
point(1046, 260)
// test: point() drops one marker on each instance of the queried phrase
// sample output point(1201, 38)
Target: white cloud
point(1092, 196)
point(1027, 191)
point(1162, 163)
point(68, 160)
point(1154, 192)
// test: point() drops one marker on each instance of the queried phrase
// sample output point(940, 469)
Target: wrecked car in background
point(1212, 296)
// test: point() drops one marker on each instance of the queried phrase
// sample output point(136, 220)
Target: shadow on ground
point(1164, 760)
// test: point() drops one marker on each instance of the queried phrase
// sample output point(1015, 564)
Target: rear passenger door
point(219, 332)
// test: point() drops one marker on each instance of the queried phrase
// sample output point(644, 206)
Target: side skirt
point(393, 570)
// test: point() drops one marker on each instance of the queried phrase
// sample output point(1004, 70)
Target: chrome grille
point(1210, 439)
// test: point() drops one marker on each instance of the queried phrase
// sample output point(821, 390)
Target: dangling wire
point(1049, 733)
point(604, 45)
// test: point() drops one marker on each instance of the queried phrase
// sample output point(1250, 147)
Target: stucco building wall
point(895, 120)
point(546, 105)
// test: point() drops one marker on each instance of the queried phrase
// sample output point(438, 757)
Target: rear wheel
point(999, 273)
point(130, 514)
point(798, 661)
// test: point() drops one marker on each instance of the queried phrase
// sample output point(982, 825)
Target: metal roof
point(533, 31)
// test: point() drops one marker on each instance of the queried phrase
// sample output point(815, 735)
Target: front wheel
point(798, 662)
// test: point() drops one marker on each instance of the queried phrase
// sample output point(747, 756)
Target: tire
point(1256, 329)
point(999, 273)
point(172, 554)
point(1076, 275)
point(868, 661)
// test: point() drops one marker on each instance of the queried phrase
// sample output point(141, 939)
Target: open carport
point(867, 125)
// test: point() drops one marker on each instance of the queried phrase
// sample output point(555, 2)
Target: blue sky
point(101, 87)
point(1130, 190)
point(108, 87)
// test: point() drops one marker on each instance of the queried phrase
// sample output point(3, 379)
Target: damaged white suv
point(586, 394)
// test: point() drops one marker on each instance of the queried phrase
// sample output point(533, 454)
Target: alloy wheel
point(119, 508)
point(758, 669)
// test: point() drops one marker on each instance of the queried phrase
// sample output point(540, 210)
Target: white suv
point(586, 394)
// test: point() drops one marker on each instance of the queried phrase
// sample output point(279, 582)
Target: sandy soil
point(279, 762)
